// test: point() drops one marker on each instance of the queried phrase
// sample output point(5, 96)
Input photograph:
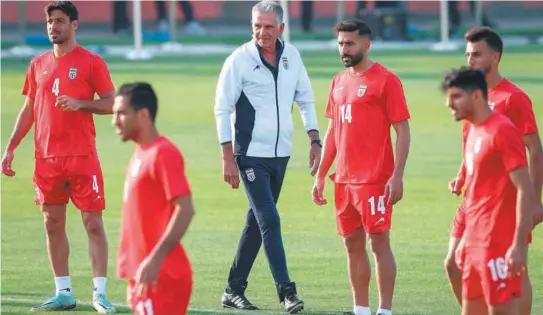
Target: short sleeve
point(170, 173)
point(465, 131)
point(100, 77)
point(29, 87)
point(330, 107)
point(521, 113)
point(509, 143)
point(395, 102)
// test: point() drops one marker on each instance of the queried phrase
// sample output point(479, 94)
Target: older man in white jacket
point(257, 87)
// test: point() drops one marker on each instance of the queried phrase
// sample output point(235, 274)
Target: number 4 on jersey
point(56, 87)
point(380, 204)
point(345, 110)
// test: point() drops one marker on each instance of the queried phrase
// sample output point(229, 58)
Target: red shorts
point(171, 297)
point(362, 205)
point(485, 276)
point(459, 224)
point(79, 178)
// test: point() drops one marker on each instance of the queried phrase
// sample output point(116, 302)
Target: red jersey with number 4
point(155, 178)
point(80, 75)
point(508, 99)
point(362, 109)
point(493, 149)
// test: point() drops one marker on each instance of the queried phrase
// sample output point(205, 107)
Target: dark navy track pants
point(262, 179)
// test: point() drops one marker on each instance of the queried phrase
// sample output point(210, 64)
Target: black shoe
point(236, 299)
point(287, 295)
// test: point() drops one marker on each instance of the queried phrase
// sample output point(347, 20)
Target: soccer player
point(499, 202)
point(157, 210)
point(59, 87)
point(364, 102)
point(483, 51)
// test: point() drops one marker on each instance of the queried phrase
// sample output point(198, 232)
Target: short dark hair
point(490, 36)
point(65, 6)
point(140, 95)
point(467, 79)
point(353, 26)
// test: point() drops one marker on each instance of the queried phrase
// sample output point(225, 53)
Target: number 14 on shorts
point(380, 205)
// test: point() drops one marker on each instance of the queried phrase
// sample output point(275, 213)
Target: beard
point(352, 60)
point(485, 69)
point(57, 39)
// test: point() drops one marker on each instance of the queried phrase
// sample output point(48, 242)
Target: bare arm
point(227, 151)
point(403, 140)
point(102, 106)
point(178, 225)
point(525, 205)
point(23, 124)
point(533, 143)
point(329, 152)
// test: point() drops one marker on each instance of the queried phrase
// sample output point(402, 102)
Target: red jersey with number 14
point(493, 149)
point(363, 108)
point(155, 178)
point(80, 75)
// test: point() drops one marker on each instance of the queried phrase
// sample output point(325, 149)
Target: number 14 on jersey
point(345, 111)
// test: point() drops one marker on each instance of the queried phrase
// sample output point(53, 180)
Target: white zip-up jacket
point(254, 102)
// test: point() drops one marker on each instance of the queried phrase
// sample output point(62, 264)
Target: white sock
point(383, 312)
point(99, 285)
point(362, 310)
point(63, 285)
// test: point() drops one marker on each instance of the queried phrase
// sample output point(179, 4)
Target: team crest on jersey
point(73, 73)
point(285, 62)
point(362, 90)
point(250, 174)
point(491, 105)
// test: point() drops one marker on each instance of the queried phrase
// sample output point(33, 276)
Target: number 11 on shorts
point(380, 204)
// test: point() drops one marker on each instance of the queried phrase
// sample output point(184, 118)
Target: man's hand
point(230, 172)
point(515, 259)
point(314, 158)
point(459, 254)
point(456, 185)
point(394, 190)
point(7, 159)
point(67, 103)
point(146, 276)
point(317, 192)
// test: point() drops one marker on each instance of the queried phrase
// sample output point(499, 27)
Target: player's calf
point(454, 273)
point(358, 269)
point(386, 269)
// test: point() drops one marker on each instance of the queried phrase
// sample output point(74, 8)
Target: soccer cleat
point(59, 302)
point(101, 304)
point(288, 296)
point(236, 299)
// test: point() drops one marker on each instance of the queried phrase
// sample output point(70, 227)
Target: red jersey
point(363, 108)
point(155, 177)
point(508, 99)
point(493, 149)
point(80, 74)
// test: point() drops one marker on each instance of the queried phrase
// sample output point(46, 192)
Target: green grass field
point(186, 87)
